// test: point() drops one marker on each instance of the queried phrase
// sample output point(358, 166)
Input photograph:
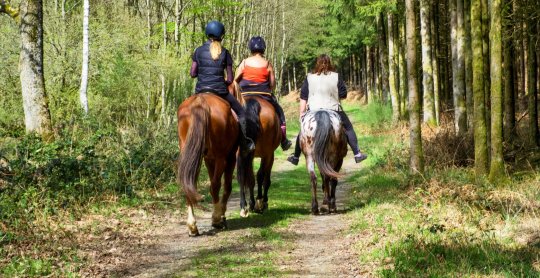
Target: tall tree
point(416, 153)
point(531, 89)
point(509, 114)
point(37, 117)
point(497, 163)
point(393, 66)
point(480, 130)
point(427, 63)
point(85, 56)
point(458, 81)
point(459, 69)
point(468, 63)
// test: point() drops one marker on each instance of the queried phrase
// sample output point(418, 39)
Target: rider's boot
point(359, 157)
point(285, 142)
point(246, 144)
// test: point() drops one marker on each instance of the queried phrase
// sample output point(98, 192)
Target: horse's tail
point(237, 92)
point(245, 164)
point(189, 164)
point(321, 144)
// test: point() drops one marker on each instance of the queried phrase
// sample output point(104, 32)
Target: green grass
point(444, 224)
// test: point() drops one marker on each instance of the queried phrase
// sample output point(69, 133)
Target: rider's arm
point(272, 77)
point(342, 89)
point(193, 71)
point(239, 72)
point(304, 94)
point(303, 106)
point(230, 75)
point(194, 66)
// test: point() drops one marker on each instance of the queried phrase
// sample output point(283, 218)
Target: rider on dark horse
point(323, 89)
point(256, 76)
point(210, 61)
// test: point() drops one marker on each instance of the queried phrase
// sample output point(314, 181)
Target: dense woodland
point(89, 89)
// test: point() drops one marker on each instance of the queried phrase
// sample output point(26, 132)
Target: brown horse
point(264, 128)
point(324, 143)
point(206, 129)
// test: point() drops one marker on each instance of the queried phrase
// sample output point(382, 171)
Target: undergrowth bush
point(86, 163)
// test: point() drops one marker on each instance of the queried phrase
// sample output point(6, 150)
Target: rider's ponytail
point(215, 49)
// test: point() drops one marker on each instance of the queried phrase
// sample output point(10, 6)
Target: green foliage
point(87, 162)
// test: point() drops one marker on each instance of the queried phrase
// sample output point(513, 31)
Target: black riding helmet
point(215, 29)
point(257, 44)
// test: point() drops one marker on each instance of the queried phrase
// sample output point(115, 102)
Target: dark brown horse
point(206, 129)
point(323, 143)
point(264, 129)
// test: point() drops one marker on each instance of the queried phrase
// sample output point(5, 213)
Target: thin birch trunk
point(85, 58)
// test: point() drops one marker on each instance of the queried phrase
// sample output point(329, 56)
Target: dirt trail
point(321, 248)
point(159, 246)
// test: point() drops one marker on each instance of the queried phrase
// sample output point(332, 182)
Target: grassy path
point(390, 224)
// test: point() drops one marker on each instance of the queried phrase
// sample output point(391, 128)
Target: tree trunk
point(435, 64)
point(403, 90)
point(487, 83)
point(85, 55)
point(383, 58)
point(37, 117)
point(370, 74)
point(427, 63)
point(416, 153)
point(531, 84)
point(458, 67)
point(392, 68)
point(497, 163)
point(468, 64)
point(509, 114)
point(480, 130)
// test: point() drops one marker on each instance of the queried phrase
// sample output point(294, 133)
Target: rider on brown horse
point(210, 61)
point(323, 89)
point(256, 77)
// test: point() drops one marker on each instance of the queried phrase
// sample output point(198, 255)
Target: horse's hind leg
point(257, 206)
point(311, 169)
point(191, 222)
point(215, 186)
point(326, 193)
point(227, 186)
point(333, 184)
point(266, 171)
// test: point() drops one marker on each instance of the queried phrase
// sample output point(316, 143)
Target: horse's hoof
point(244, 213)
point(260, 206)
point(220, 225)
point(193, 231)
point(315, 211)
point(333, 208)
point(324, 209)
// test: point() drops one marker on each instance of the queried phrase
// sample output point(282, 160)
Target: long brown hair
point(323, 65)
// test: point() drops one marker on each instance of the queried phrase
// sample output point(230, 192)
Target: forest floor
point(447, 223)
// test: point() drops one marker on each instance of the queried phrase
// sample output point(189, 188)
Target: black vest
point(211, 73)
